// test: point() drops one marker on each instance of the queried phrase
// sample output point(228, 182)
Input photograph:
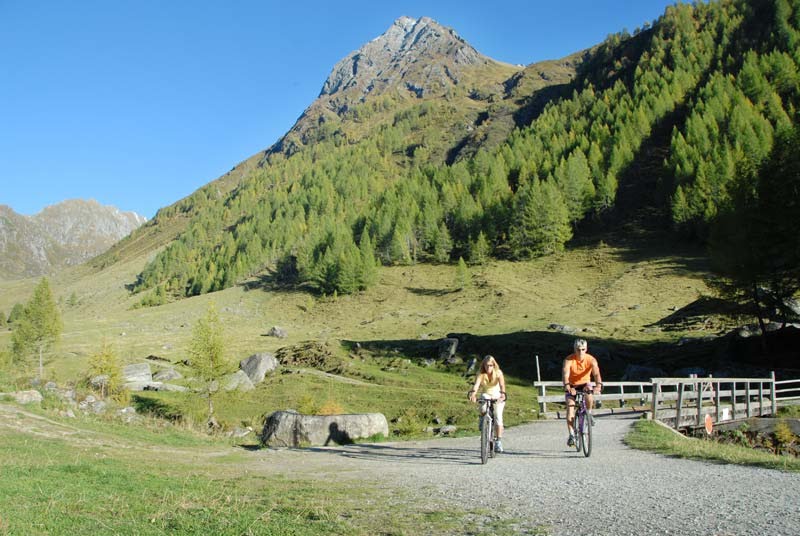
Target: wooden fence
point(684, 402)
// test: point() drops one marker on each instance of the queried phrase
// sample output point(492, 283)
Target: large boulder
point(153, 386)
point(167, 375)
point(290, 429)
point(447, 348)
point(238, 381)
point(257, 365)
point(138, 372)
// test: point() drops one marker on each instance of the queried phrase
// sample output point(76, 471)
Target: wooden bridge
point(684, 402)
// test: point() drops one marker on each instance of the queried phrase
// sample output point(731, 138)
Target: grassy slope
point(611, 292)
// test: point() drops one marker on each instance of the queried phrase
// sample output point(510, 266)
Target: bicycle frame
point(487, 430)
point(583, 425)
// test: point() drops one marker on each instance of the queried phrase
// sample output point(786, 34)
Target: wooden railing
point(683, 402)
point(626, 393)
point(787, 392)
point(722, 398)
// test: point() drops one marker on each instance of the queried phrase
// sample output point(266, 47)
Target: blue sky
point(137, 103)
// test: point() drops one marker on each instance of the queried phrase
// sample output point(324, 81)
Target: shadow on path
point(428, 455)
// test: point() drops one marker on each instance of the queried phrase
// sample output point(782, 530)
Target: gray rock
point(99, 382)
point(154, 386)
point(27, 397)
point(278, 332)
point(167, 374)
point(158, 386)
point(569, 330)
point(136, 386)
point(238, 433)
point(447, 348)
point(447, 429)
point(257, 365)
point(138, 372)
point(290, 429)
point(238, 381)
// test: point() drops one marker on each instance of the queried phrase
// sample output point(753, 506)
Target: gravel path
point(629, 492)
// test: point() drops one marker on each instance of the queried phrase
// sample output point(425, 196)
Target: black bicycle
point(486, 424)
point(583, 423)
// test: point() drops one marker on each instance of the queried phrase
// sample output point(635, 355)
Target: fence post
point(654, 401)
point(774, 397)
point(542, 403)
point(760, 399)
point(733, 400)
point(747, 403)
point(700, 391)
point(718, 400)
point(679, 406)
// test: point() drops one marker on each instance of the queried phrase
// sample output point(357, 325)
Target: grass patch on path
point(646, 435)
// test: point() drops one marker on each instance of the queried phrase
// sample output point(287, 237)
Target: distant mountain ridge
point(64, 234)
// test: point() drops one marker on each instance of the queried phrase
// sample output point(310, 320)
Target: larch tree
point(39, 326)
point(206, 350)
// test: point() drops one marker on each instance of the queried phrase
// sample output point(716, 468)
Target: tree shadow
point(431, 291)
point(157, 408)
point(696, 313)
point(525, 355)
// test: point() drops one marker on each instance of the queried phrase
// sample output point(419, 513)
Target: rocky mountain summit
point(64, 234)
point(418, 55)
point(414, 60)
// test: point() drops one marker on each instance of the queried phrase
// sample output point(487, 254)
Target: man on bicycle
point(579, 368)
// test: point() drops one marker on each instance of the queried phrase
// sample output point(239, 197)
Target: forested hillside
point(483, 162)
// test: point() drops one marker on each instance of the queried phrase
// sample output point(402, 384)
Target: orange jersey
point(580, 372)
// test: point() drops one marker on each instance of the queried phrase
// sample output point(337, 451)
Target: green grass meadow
point(137, 480)
point(373, 351)
point(650, 436)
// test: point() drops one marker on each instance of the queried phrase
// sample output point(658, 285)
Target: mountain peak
point(419, 55)
point(60, 235)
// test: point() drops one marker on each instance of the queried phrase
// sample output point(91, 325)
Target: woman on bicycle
point(579, 367)
point(490, 378)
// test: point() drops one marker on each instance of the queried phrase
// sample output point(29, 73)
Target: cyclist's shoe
point(571, 440)
point(498, 446)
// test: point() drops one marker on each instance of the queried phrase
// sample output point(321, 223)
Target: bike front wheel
point(578, 425)
point(486, 432)
point(586, 440)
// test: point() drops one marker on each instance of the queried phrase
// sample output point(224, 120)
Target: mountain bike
point(583, 423)
point(486, 425)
